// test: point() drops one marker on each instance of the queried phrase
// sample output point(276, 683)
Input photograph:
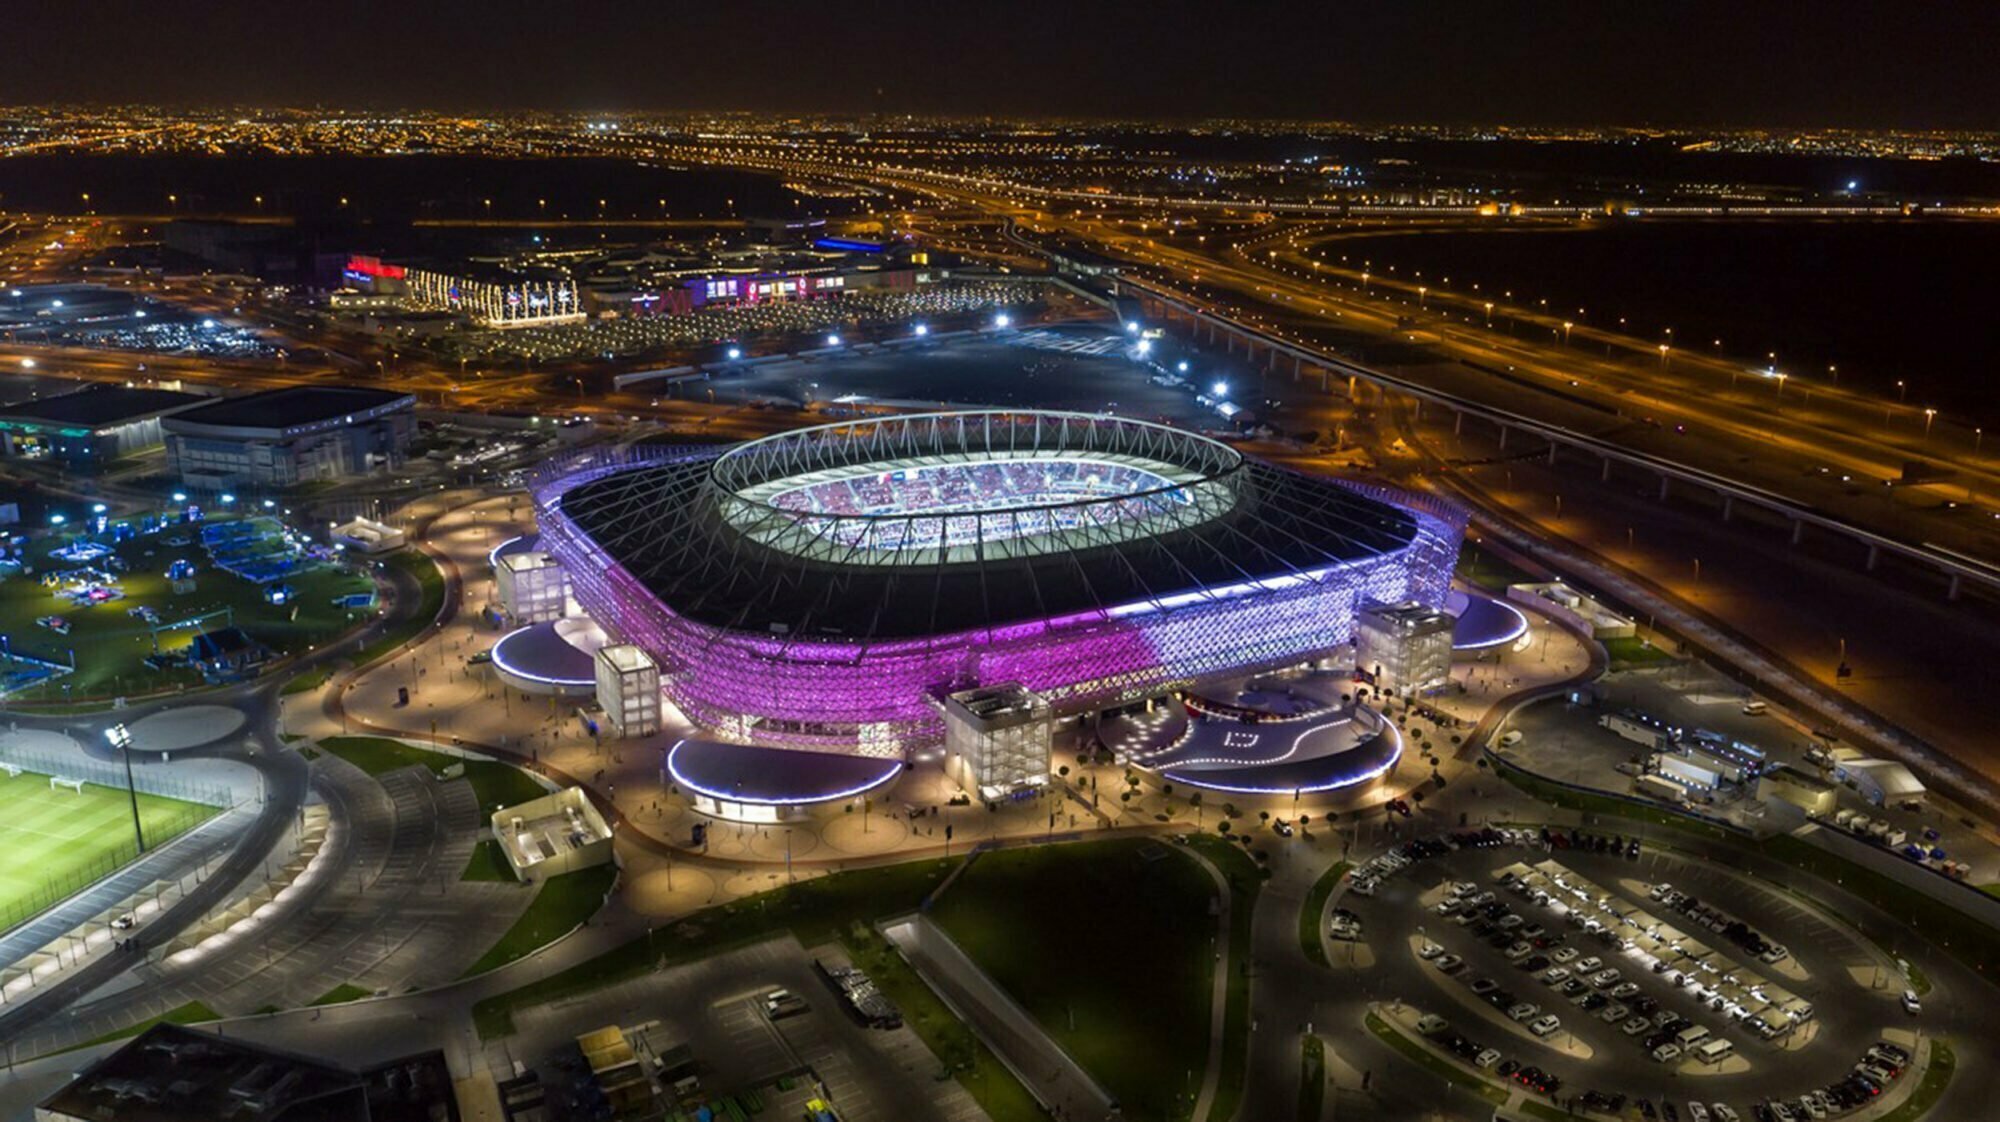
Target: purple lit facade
point(872, 697)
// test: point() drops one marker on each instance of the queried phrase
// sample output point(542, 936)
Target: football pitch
point(56, 842)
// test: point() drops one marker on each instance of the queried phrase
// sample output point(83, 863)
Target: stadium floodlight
point(227, 498)
point(1220, 389)
point(97, 508)
point(209, 324)
point(55, 303)
point(922, 330)
point(27, 364)
point(1181, 366)
point(140, 314)
point(120, 739)
point(1003, 320)
point(268, 504)
point(833, 340)
point(57, 519)
point(180, 496)
point(735, 353)
point(1131, 327)
point(1145, 346)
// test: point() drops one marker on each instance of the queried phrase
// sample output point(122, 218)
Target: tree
point(1063, 771)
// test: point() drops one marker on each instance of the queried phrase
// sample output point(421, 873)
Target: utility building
point(628, 689)
point(998, 738)
point(1406, 646)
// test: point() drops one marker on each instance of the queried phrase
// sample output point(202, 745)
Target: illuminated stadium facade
point(818, 589)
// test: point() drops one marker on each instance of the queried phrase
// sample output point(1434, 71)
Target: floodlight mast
point(121, 740)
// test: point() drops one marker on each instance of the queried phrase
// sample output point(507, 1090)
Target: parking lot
point(718, 1009)
point(1599, 964)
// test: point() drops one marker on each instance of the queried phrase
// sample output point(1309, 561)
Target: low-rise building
point(285, 437)
point(91, 426)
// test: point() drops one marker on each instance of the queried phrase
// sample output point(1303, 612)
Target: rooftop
point(292, 405)
point(100, 405)
point(750, 773)
point(171, 1074)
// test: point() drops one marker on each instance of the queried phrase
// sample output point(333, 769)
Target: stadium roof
point(100, 405)
point(680, 534)
point(290, 406)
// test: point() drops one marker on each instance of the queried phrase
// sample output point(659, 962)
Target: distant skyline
point(1835, 63)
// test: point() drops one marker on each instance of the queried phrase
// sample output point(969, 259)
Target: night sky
point(1745, 62)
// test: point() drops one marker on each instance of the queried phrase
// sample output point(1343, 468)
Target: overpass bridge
point(1957, 569)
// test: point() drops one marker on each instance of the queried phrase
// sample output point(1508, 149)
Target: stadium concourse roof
point(750, 773)
point(665, 524)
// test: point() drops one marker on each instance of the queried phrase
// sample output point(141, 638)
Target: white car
point(1486, 1058)
point(1697, 1112)
point(1429, 951)
point(1523, 1011)
point(1545, 1025)
point(1362, 887)
point(1724, 1112)
point(1635, 1026)
point(1448, 963)
point(1910, 1003)
point(1666, 1053)
point(1564, 955)
point(1590, 965)
point(1555, 976)
point(1344, 929)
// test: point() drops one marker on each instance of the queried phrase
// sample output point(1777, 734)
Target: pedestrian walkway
point(1034, 1057)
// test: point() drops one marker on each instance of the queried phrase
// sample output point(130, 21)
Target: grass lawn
point(1309, 940)
point(816, 910)
point(1449, 1072)
point(112, 645)
point(956, 1047)
point(431, 582)
point(341, 994)
point(1246, 880)
point(560, 904)
point(1490, 569)
point(1108, 945)
point(495, 784)
point(1635, 651)
point(193, 1013)
point(58, 841)
point(488, 863)
point(1936, 1077)
point(1312, 1078)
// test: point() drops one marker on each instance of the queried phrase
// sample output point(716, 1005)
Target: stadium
point(823, 589)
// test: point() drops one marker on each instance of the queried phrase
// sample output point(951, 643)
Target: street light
point(1929, 416)
point(120, 739)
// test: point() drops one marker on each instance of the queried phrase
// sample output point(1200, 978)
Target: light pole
point(1929, 416)
point(120, 739)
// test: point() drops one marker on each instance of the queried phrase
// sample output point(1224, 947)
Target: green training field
point(111, 645)
point(57, 841)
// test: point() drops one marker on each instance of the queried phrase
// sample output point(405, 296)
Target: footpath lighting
point(120, 739)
